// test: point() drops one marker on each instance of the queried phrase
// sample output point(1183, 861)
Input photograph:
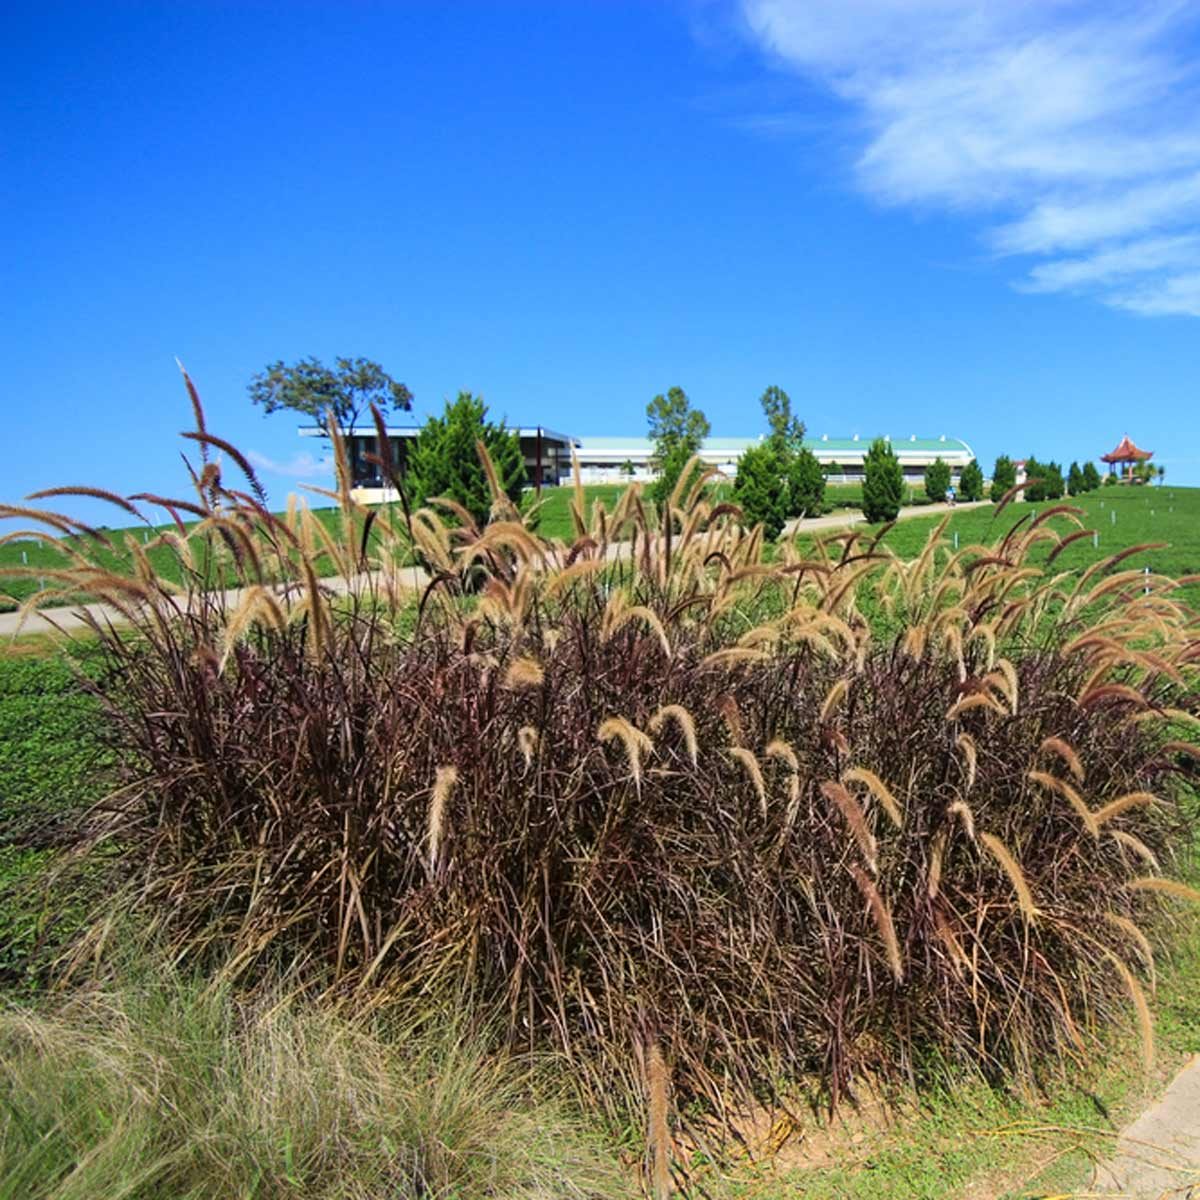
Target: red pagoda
point(1127, 454)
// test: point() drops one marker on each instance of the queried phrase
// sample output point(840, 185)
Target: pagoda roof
point(1126, 451)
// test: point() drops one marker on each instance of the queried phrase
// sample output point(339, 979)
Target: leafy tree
point(937, 480)
point(1162, 473)
point(347, 389)
point(1144, 472)
point(1075, 483)
point(627, 468)
point(443, 459)
point(970, 482)
point(1004, 477)
point(1091, 477)
point(760, 489)
point(787, 431)
point(805, 485)
point(677, 430)
point(883, 485)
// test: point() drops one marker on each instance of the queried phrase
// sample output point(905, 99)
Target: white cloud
point(299, 466)
point(1070, 125)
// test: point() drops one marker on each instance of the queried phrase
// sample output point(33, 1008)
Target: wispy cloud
point(299, 466)
point(1072, 126)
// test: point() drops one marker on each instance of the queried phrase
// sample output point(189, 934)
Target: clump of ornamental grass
point(822, 817)
point(155, 1084)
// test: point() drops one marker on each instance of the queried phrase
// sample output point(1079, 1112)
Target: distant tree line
point(1044, 480)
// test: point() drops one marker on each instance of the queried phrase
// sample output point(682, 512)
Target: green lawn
point(1120, 516)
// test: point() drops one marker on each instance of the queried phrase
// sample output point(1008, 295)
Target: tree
point(937, 480)
point(1091, 477)
point(759, 489)
point(1055, 484)
point(1143, 472)
point(443, 459)
point(787, 431)
point(347, 390)
point(1004, 477)
point(1162, 473)
point(628, 469)
point(1045, 480)
point(805, 485)
point(970, 482)
point(883, 484)
point(677, 430)
point(1075, 482)
point(1035, 480)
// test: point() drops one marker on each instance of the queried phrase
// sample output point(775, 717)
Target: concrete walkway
point(846, 517)
point(71, 619)
point(1158, 1156)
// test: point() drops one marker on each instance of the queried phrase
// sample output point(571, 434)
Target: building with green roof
point(609, 458)
point(548, 455)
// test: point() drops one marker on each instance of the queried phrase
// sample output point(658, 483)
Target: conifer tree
point(883, 484)
point(1004, 477)
point(443, 459)
point(970, 483)
point(937, 480)
point(760, 489)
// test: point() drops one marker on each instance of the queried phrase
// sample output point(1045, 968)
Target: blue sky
point(917, 216)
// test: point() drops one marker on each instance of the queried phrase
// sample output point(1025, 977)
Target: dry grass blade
point(1114, 808)
point(883, 920)
point(834, 697)
point(634, 741)
point(439, 796)
point(1165, 887)
point(973, 701)
point(1139, 939)
point(780, 750)
point(878, 789)
point(1138, 997)
point(1016, 876)
point(1060, 787)
point(683, 719)
point(522, 673)
point(750, 764)
point(659, 1130)
point(848, 807)
point(1057, 745)
point(1136, 844)
point(966, 744)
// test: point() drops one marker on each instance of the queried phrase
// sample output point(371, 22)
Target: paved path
point(847, 517)
point(70, 619)
point(1158, 1156)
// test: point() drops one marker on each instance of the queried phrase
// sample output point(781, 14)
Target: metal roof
point(411, 431)
point(822, 445)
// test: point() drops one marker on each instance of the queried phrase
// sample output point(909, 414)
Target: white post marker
point(1112, 512)
point(1095, 539)
point(1146, 588)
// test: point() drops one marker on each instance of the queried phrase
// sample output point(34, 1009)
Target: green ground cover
point(52, 764)
point(1120, 516)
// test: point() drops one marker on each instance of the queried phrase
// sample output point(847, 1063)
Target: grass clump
point(663, 800)
point(159, 1086)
